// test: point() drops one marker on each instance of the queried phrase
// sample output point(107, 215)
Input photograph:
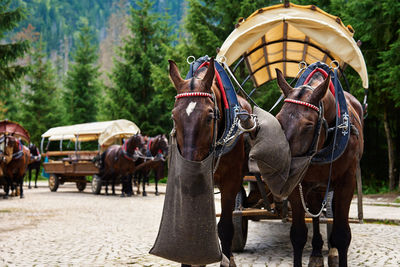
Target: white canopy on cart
point(105, 131)
point(281, 37)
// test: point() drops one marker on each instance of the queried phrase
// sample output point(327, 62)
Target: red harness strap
point(220, 85)
point(331, 87)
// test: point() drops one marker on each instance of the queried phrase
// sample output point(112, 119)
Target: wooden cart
point(78, 165)
point(288, 37)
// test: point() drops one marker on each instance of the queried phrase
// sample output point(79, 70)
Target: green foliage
point(10, 70)
point(134, 95)
point(41, 98)
point(82, 84)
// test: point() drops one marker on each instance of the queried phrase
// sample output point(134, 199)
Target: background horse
point(194, 118)
point(14, 163)
point(156, 147)
point(34, 164)
point(299, 121)
point(119, 162)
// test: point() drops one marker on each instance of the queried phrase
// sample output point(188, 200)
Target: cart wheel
point(240, 224)
point(53, 182)
point(81, 185)
point(96, 184)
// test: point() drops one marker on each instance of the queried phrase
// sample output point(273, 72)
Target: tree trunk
point(389, 140)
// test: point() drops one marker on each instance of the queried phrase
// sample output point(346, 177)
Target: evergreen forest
point(68, 62)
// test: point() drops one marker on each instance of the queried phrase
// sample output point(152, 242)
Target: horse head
point(300, 113)
point(196, 111)
point(133, 143)
point(161, 145)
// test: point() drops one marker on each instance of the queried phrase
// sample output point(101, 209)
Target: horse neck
point(130, 146)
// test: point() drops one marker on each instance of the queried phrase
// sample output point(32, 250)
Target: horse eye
point(210, 118)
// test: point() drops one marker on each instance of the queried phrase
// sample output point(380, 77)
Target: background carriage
point(88, 140)
point(288, 37)
point(10, 128)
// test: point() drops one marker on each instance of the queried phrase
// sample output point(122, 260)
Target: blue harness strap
point(233, 104)
point(342, 123)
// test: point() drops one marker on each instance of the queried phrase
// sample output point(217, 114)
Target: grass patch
point(397, 200)
point(384, 222)
point(5, 211)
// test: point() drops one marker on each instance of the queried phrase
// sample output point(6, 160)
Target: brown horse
point(194, 117)
point(157, 148)
point(299, 119)
point(119, 162)
point(14, 162)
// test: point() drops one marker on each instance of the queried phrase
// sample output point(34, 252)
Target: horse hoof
point(316, 261)
point(232, 262)
point(21, 196)
point(144, 194)
point(5, 197)
point(157, 194)
point(36, 186)
point(122, 195)
point(333, 258)
point(29, 187)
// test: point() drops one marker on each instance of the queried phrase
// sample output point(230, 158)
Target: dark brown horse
point(119, 162)
point(14, 163)
point(34, 163)
point(155, 149)
point(194, 118)
point(299, 119)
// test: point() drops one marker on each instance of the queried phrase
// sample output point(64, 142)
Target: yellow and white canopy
point(105, 131)
point(281, 37)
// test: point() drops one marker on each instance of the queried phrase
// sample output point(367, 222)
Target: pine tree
point(143, 51)
point(41, 98)
point(82, 83)
point(10, 70)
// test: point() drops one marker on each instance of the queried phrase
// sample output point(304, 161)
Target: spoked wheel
point(53, 182)
point(240, 224)
point(81, 185)
point(96, 184)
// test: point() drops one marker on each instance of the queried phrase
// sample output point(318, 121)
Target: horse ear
point(285, 87)
point(320, 91)
point(209, 77)
point(174, 74)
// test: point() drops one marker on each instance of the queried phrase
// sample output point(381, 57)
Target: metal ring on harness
point(221, 59)
point(302, 65)
point(190, 59)
point(336, 63)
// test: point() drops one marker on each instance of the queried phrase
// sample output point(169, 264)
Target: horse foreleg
point(36, 176)
point(298, 230)
point(225, 224)
point(113, 187)
point(21, 187)
point(316, 258)
point(30, 176)
point(341, 233)
point(7, 187)
point(144, 181)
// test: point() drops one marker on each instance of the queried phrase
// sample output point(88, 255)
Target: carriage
point(89, 140)
point(288, 37)
point(10, 129)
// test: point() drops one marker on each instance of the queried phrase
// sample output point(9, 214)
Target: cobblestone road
point(68, 228)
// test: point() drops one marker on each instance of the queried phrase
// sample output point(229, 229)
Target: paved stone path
point(68, 228)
